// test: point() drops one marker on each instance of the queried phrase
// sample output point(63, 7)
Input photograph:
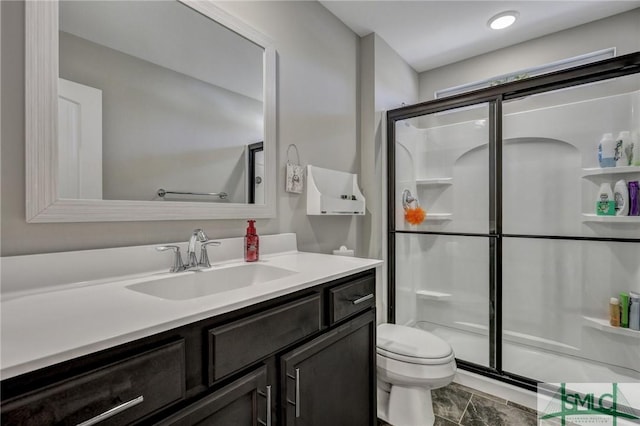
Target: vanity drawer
point(120, 392)
point(240, 343)
point(352, 297)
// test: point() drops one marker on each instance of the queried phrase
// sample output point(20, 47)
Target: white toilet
point(410, 363)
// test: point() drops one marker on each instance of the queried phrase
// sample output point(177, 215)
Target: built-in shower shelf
point(596, 171)
point(592, 217)
point(434, 181)
point(438, 216)
point(432, 295)
point(603, 325)
point(517, 337)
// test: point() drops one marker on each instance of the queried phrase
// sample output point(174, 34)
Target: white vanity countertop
point(54, 324)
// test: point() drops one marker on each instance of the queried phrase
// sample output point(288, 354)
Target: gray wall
point(386, 82)
point(317, 110)
point(620, 31)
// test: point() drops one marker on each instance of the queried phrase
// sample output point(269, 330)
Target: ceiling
point(430, 34)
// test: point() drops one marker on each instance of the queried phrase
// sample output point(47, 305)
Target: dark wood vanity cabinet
point(329, 381)
point(243, 403)
point(306, 358)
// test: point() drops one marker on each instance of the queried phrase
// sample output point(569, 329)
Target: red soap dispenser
point(251, 244)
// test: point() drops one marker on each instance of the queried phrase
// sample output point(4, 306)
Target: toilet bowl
point(410, 362)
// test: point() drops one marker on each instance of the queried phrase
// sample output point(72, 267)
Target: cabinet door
point(244, 402)
point(331, 380)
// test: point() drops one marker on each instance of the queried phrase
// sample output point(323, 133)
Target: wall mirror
point(145, 110)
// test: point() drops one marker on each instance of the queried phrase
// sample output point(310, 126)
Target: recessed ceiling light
point(503, 20)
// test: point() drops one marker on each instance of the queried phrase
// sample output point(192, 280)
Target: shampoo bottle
point(614, 312)
point(607, 151)
point(251, 244)
point(605, 204)
point(623, 149)
point(621, 196)
point(624, 310)
point(634, 311)
point(634, 198)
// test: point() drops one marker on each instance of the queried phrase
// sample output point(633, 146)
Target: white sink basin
point(190, 285)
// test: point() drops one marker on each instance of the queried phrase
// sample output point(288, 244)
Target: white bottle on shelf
point(621, 196)
point(623, 149)
point(605, 203)
point(635, 140)
point(607, 151)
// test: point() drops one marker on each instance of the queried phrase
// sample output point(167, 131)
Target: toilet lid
point(394, 339)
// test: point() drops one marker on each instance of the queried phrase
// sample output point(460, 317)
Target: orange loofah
point(414, 216)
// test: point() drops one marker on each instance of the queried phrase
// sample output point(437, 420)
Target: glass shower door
point(443, 264)
point(562, 262)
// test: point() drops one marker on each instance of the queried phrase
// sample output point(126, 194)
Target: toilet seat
point(415, 360)
point(412, 345)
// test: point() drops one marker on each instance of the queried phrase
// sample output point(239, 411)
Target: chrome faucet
point(193, 264)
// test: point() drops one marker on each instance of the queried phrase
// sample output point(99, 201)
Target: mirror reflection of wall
point(181, 99)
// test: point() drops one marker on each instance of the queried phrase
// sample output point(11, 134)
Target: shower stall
point(511, 265)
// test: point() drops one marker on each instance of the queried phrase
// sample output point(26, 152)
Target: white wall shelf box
point(432, 295)
point(597, 171)
point(592, 217)
point(332, 192)
point(603, 325)
point(434, 181)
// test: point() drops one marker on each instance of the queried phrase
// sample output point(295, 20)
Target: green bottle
point(624, 310)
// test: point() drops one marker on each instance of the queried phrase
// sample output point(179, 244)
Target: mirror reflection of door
point(79, 141)
point(256, 173)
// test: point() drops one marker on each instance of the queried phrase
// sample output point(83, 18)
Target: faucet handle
point(197, 235)
point(204, 257)
point(178, 265)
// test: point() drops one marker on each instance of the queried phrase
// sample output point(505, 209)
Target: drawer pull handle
point(362, 299)
point(268, 396)
point(113, 411)
point(297, 400)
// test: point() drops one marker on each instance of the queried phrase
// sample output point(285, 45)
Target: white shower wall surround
point(545, 152)
point(555, 292)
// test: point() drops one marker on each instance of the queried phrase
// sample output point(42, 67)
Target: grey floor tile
point(479, 393)
point(450, 402)
point(443, 422)
point(486, 412)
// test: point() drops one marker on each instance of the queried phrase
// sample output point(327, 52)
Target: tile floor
point(459, 405)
